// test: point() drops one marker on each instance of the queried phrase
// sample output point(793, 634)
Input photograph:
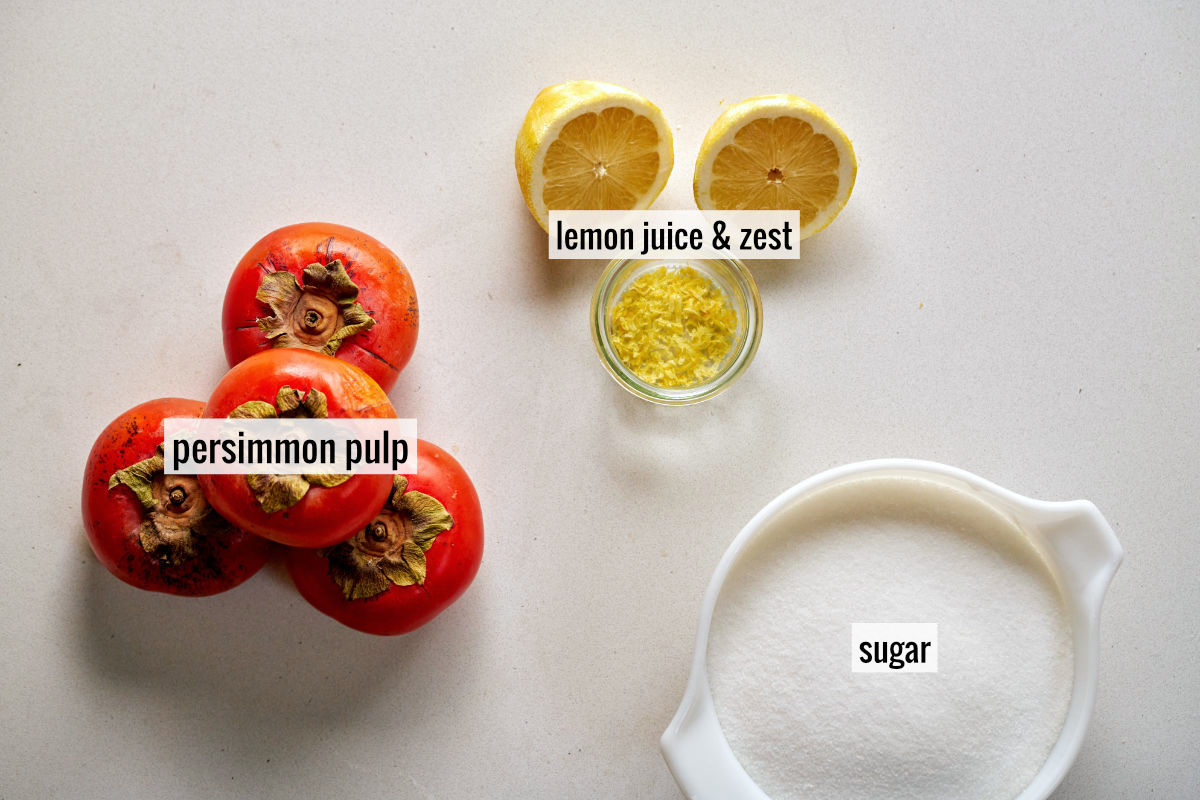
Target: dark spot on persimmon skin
point(323, 249)
point(203, 573)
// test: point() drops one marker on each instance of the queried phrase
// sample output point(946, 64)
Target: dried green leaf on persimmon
point(327, 481)
point(175, 512)
point(407, 568)
point(356, 583)
point(139, 478)
point(333, 280)
point(318, 315)
point(429, 517)
point(277, 492)
point(173, 540)
point(168, 542)
point(315, 405)
point(253, 409)
point(399, 487)
point(280, 291)
point(306, 405)
point(287, 400)
point(392, 547)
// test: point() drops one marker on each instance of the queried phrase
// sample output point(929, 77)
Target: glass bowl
point(729, 275)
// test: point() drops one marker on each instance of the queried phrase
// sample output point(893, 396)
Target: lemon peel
point(673, 327)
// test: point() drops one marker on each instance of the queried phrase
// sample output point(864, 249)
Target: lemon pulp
point(601, 160)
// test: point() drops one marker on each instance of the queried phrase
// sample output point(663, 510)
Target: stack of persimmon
point(319, 320)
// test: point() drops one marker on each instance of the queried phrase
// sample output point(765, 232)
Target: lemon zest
point(673, 327)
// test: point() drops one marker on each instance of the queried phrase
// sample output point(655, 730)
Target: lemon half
point(776, 152)
point(590, 145)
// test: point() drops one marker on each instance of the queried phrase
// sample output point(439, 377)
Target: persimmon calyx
point(279, 492)
point(390, 550)
point(319, 314)
point(176, 514)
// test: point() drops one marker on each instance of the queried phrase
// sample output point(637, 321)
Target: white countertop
point(1012, 289)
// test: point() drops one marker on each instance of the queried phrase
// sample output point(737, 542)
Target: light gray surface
point(1012, 289)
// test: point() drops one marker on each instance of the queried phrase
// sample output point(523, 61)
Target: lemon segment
point(776, 152)
point(590, 145)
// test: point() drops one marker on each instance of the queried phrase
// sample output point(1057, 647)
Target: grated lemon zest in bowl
point(673, 327)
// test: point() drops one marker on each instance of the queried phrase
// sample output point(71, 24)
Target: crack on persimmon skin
point(374, 355)
point(364, 411)
point(327, 245)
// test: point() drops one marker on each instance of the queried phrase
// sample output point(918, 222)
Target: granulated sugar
point(890, 550)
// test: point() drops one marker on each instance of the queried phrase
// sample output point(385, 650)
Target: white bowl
point(1077, 542)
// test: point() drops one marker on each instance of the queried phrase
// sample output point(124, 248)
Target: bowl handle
point(698, 755)
point(1084, 546)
